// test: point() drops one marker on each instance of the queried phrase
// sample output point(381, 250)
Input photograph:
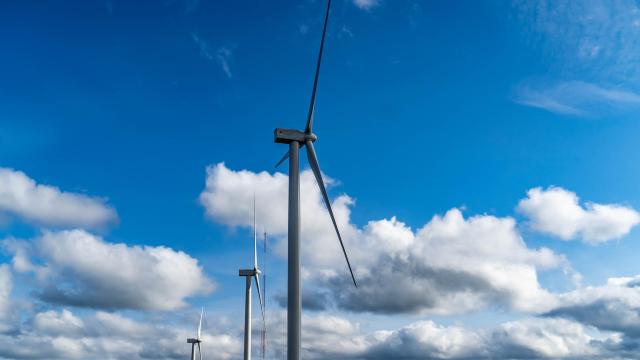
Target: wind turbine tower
point(251, 274)
point(296, 140)
point(197, 341)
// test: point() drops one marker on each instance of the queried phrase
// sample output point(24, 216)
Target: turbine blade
point(284, 158)
point(200, 324)
point(199, 351)
point(255, 238)
point(313, 161)
point(315, 80)
point(257, 278)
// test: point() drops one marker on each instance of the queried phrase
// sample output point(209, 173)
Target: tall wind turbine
point(297, 139)
point(249, 274)
point(197, 340)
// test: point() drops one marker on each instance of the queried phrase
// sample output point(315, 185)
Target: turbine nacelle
point(249, 272)
point(286, 136)
point(193, 341)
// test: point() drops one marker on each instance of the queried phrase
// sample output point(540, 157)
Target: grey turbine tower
point(197, 340)
point(249, 274)
point(297, 139)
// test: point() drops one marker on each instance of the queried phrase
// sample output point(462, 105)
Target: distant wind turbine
point(297, 139)
point(263, 342)
point(198, 340)
point(249, 274)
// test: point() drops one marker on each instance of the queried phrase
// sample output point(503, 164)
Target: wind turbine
point(197, 340)
point(249, 274)
point(297, 139)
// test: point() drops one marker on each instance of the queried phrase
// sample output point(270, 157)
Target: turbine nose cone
point(311, 136)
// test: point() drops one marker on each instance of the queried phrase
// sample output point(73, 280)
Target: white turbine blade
point(256, 277)
point(255, 236)
point(199, 351)
point(313, 161)
point(200, 325)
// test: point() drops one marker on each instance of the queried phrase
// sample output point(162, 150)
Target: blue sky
point(425, 108)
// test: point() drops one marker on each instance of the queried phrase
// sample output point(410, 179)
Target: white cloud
point(331, 337)
point(547, 338)
point(58, 323)
point(81, 269)
point(222, 55)
point(557, 211)
point(614, 306)
point(65, 335)
point(47, 205)
point(576, 98)
point(6, 309)
point(592, 51)
point(451, 265)
point(101, 335)
point(594, 38)
point(366, 4)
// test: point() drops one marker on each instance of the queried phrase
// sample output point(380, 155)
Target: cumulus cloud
point(47, 205)
point(548, 338)
point(63, 335)
point(80, 269)
point(6, 309)
point(557, 212)
point(450, 265)
point(614, 306)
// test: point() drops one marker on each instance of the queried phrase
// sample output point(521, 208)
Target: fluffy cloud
point(81, 269)
point(450, 265)
point(557, 211)
point(614, 306)
point(64, 335)
point(47, 205)
point(6, 309)
point(337, 338)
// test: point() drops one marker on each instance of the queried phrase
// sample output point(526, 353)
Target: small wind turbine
point(297, 139)
point(197, 340)
point(249, 274)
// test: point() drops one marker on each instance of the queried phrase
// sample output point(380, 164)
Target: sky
point(479, 156)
